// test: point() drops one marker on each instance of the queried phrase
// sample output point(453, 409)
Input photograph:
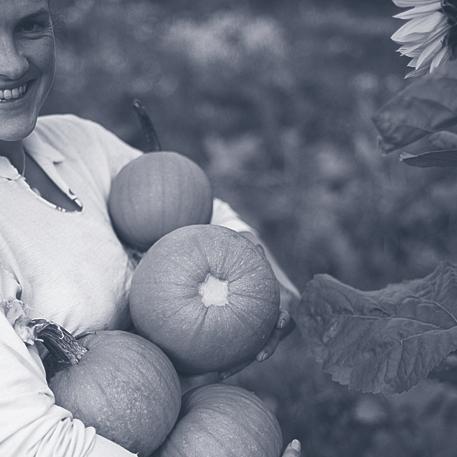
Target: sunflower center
point(449, 8)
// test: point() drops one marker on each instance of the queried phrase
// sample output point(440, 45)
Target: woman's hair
point(56, 15)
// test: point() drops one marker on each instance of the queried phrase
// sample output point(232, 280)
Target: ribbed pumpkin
point(223, 421)
point(117, 382)
point(157, 193)
point(207, 296)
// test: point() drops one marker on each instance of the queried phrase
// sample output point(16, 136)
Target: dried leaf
point(386, 340)
point(421, 121)
point(15, 313)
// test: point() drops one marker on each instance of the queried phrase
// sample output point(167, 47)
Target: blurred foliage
point(275, 98)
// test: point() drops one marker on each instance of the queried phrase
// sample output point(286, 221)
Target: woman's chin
point(18, 129)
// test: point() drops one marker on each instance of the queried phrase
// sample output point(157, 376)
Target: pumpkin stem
point(64, 349)
point(214, 291)
point(152, 139)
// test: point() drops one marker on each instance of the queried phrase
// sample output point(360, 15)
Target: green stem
point(152, 139)
point(64, 349)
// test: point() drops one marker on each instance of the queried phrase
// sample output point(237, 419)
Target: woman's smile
point(14, 94)
point(7, 95)
point(26, 65)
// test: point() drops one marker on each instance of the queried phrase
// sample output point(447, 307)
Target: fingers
point(261, 249)
point(283, 319)
point(284, 326)
point(293, 449)
point(253, 239)
point(287, 301)
point(277, 335)
point(268, 350)
point(288, 298)
point(271, 346)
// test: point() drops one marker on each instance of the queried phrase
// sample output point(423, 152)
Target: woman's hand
point(284, 325)
point(289, 296)
point(293, 449)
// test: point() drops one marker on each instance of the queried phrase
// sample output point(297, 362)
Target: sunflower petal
point(418, 26)
point(429, 53)
point(413, 50)
point(413, 3)
point(423, 40)
point(416, 73)
point(418, 11)
point(423, 36)
point(413, 62)
point(443, 56)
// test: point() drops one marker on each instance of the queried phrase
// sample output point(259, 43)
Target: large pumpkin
point(207, 296)
point(157, 193)
point(117, 382)
point(223, 421)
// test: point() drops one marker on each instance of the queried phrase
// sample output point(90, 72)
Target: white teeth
point(12, 94)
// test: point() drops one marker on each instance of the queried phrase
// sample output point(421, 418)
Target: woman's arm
point(281, 276)
point(224, 215)
point(116, 153)
point(31, 425)
point(106, 448)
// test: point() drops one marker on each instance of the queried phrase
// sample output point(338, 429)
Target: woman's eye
point(32, 27)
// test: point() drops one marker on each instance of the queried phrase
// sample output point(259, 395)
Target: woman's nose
point(13, 64)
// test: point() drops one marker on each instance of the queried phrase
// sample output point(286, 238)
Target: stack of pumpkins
point(203, 299)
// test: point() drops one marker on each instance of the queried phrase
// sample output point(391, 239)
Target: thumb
point(293, 449)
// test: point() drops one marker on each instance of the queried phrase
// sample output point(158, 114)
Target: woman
point(55, 175)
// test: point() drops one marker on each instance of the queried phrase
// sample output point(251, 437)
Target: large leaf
point(386, 340)
point(420, 122)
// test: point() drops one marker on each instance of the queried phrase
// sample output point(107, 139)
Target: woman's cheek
point(42, 58)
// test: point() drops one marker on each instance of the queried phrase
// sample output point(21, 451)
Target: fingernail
point(262, 356)
point(295, 445)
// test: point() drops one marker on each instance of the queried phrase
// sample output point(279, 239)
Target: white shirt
point(48, 254)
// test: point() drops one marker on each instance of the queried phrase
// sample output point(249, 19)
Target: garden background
point(274, 98)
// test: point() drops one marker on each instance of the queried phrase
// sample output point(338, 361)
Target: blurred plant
point(231, 41)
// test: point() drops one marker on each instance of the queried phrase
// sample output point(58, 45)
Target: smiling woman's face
point(27, 64)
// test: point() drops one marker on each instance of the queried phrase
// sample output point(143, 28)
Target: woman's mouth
point(16, 93)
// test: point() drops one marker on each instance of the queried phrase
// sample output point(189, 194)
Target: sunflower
point(429, 37)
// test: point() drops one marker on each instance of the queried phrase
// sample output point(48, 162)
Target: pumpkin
point(117, 382)
point(157, 193)
point(207, 296)
point(223, 421)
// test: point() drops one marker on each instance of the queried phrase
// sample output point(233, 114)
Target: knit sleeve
point(224, 215)
point(116, 151)
point(86, 144)
point(107, 154)
point(31, 425)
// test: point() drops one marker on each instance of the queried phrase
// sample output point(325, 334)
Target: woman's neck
point(13, 150)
